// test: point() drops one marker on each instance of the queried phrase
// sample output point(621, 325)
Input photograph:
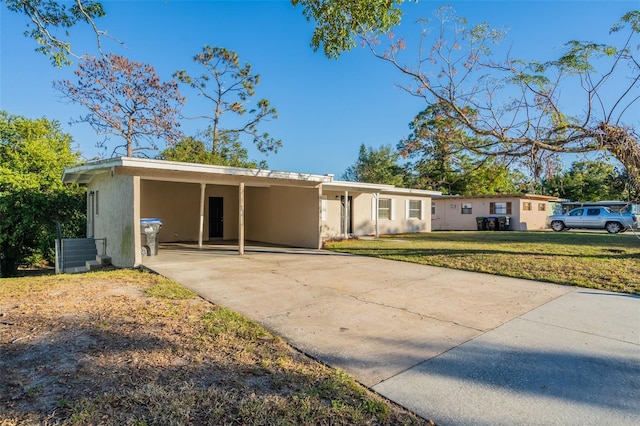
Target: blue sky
point(327, 108)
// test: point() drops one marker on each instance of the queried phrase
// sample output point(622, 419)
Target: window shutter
point(393, 209)
point(374, 208)
point(492, 208)
point(423, 209)
point(406, 209)
point(509, 207)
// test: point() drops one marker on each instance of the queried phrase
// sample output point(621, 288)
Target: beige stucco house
point(458, 213)
point(199, 203)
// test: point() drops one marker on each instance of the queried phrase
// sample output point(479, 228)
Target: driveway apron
point(456, 347)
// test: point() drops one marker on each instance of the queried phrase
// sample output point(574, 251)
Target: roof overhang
point(502, 196)
point(376, 188)
point(189, 172)
point(171, 171)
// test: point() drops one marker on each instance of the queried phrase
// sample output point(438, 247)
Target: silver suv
point(593, 218)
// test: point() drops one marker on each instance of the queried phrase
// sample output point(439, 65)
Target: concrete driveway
point(457, 347)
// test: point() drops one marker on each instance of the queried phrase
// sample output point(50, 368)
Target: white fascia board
point(410, 191)
point(342, 185)
point(84, 172)
point(502, 196)
point(376, 188)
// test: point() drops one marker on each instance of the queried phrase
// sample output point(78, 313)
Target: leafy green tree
point(339, 23)
point(229, 86)
point(229, 153)
point(589, 181)
point(33, 155)
point(443, 162)
point(515, 106)
point(49, 19)
point(126, 99)
point(376, 166)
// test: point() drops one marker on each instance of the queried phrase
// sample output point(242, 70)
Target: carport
point(197, 203)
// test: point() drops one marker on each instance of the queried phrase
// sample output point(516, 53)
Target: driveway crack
point(421, 315)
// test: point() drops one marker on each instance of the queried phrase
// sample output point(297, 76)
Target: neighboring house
point(199, 203)
point(458, 213)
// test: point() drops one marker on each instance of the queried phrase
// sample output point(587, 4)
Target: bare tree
point(229, 86)
point(126, 99)
point(515, 107)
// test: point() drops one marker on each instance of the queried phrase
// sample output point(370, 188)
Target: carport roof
point(185, 172)
point(204, 173)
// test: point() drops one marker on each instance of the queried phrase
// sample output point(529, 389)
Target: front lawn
point(593, 260)
point(133, 348)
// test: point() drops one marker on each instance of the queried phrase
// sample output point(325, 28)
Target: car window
point(576, 212)
point(593, 212)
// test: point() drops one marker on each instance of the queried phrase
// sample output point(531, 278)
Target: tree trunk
point(130, 137)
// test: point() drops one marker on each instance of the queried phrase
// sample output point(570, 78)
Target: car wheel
point(557, 225)
point(613, 227)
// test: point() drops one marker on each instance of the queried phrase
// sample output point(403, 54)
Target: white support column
point(320, 209)
point(201, 229)
point(241, 219)
point(345, 217)
point(376, 197)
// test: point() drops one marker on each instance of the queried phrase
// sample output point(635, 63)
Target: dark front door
point(215, 217)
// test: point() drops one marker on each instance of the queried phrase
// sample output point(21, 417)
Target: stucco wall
point(282, 215)
point(448, 213)
point(116, 217)
point(257, 214)
point(178, 206)
point(534, 219)
point(364, 220)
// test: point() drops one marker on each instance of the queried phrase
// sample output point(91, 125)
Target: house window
point(467, 208)
point(415, 209)
point(526, 206)
point(542, 207)
point(384, 208)
point(500, 208)
point(453, 206)
point(433, 208)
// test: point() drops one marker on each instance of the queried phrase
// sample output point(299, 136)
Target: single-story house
point(198, 202)
point(526, 212)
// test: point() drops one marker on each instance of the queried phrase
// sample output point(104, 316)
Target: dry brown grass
point(132, 348)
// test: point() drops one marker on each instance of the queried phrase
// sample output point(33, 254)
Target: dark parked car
point(593, 218)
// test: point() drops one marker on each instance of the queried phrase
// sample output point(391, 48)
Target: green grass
point(593, 260)
point(164, 288)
